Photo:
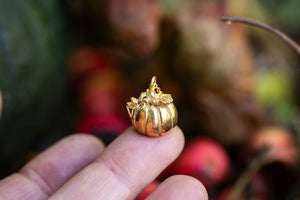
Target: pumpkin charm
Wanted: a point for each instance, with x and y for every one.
(153, 113)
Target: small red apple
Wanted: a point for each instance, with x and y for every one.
(204, 159)
(147, 190)
(279, 143)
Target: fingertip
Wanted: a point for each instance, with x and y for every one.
(176, 139)
(139, 155)
(167, 147)
(177, 130)
(179, 187)
(173, 136)
(193, 186)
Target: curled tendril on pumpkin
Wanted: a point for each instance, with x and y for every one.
(153, 96)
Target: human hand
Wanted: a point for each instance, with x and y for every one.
(79, 167)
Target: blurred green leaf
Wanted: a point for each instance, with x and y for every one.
(32, 70)
(273, 88)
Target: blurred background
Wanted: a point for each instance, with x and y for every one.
(70, 66)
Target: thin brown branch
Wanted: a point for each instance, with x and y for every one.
(254, 166)
(262, 25)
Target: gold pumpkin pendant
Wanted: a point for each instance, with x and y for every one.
(154, 113)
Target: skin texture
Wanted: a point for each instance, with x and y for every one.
(79, 167)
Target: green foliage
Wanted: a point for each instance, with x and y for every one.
(274, 91)
(285, 13)
(32, 52)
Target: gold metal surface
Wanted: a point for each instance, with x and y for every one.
(153, 113)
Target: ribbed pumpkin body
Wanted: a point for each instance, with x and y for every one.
(154, 120)
(153, 113)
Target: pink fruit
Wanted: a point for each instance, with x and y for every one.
(279, 144)
(147, 190)
(204, 159)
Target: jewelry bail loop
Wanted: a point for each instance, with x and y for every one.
(153, 84)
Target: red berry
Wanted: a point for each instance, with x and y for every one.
(279, 144)
(204, 159)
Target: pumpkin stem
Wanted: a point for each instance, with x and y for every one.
(153, 85)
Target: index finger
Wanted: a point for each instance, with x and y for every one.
(127, 165)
